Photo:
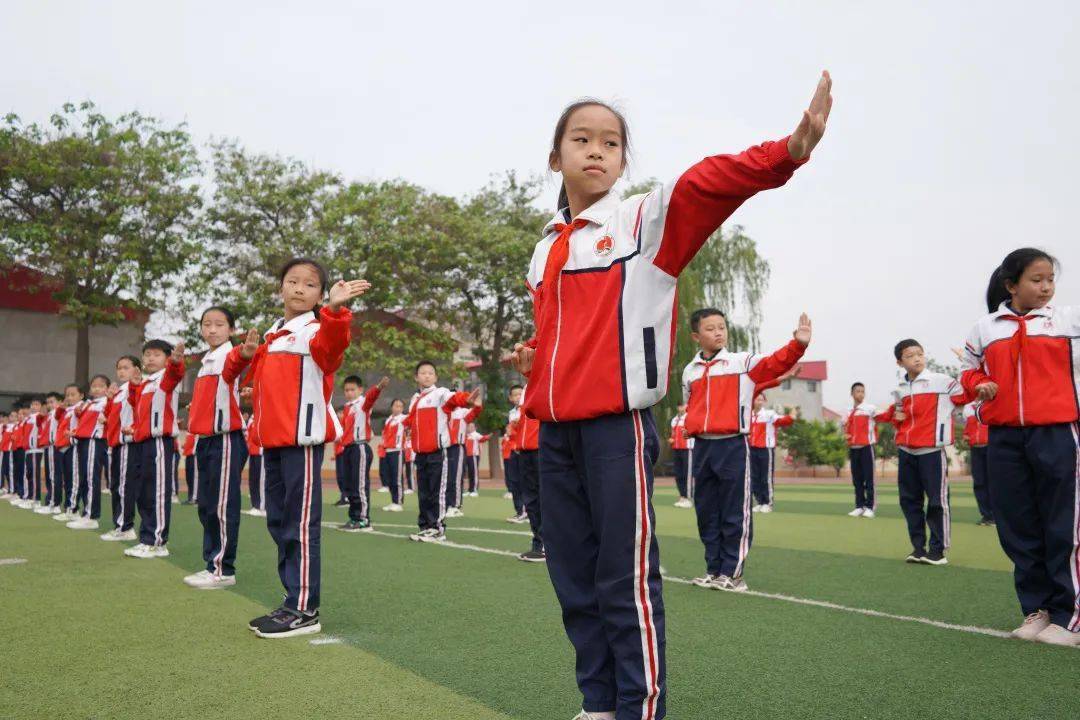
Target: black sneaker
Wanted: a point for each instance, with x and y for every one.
(536, 556)
(985, 522)
(288, 623)
(259, 621)
(934, 558)
(342, 502)
(356, 526)
(915, 556)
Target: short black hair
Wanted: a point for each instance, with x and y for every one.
(163, 345)
(855, 385)
(700, 314)
(422, 363)
(77, 386)
(354, 379)
(99, 376)
(131, 359)
(36, 398)
(17, 406)
(324, 278)
(53, 394)
(513, 388)
(229, 317)
(903, 345)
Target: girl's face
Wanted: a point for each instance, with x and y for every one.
(51, 404)
(123, 370)
(1035, 288)
(590, 153)
(215, 328)
(397, 407)
(301, 290)
(98, 386)
(72, 395)
(153, 360)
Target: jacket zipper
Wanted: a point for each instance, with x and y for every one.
(555, 349)
(1020, 387)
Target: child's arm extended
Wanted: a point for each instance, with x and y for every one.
(174, 369)
(774, 366)
(373, 393)
(677, 219)
(335, 323)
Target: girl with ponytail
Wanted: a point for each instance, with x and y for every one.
(1022, 362)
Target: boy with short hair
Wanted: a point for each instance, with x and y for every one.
(922, 411)
(681, 449)
(513, 469)
(474, 443)
(860, 431)
(51, 503)
(156, 406)
(457, 456)
(428, 424)
(356, 454)
(718, 387)
(526, 432)
(977, 434)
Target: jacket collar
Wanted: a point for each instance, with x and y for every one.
(1004, 309)
(293, 325)
(598, 213)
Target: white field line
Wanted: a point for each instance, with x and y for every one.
(12, 561)
(971, 629)
(444, 543)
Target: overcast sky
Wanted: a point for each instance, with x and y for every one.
(953, 138)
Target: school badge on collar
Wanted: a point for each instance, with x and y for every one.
(604, 246)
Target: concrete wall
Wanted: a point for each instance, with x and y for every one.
(37, 351)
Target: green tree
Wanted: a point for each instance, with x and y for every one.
(104, 206)
(885, 448)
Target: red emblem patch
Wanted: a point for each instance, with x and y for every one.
(604, 246)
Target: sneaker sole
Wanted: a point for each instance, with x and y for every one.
(532, 560)
(308, 630)
(928, 561)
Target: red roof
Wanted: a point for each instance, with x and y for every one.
(814, 370)
(831, 414)
(24, 288)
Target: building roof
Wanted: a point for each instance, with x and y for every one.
(24, 288)
(813, 370)
(828, 414)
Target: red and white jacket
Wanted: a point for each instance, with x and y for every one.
(1035, 361)
(473, 441)
(7, 437)
(90, 424)
(393, 433)
(157, 402)
(678, 439)
(428, 420)
(191, 441)
(119, 414)
(928, 401)
(65, 420)
(253, 447)
(719, 391)
(293, 379)
(359, 421)
(976, 433)
(215, 399)
(37, 432)
(19, 435)
(524, 430)
(410, 454)
(860, 424)
(763, 426)
(605, 340)
(506, 444)
(459, 423)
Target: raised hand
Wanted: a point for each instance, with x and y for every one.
(345, 290)
(812, 126)
(129, 430)
(250, 344)
(522, 359)
(178, 352)
(987, 391)
(803, 331)
(474, 398)
(112, 390)
(383, 383)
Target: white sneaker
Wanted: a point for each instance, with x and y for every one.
(106, 491)
(583, 715)
(857, 512)
(206, 580)
(83, 524)
(256, 512)
(147, 551)
(409, 491)
(433, 536)
(175, 499)
(118, 535)
(55, 510)
(1054, 634)
(64, 516)
(508, 495)
(684, 503)
(1032, 626)
(765, 509)
(737, 585)
(25, 504)
(393, 507)
(472, 493)
(705, 581)
(868, 513)
(43, 510)
(384, 489)
(756, 508)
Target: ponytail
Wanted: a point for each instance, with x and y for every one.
(1010, 271)
(564, 200)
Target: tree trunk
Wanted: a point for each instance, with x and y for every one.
(82, 353)
(495, 456)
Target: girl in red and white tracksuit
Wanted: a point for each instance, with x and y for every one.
(214, 418)
(603, 280)
(89, 434)
(474, 442)
(1022, 360)
(292, 375)
(391, 467)
(67, 456)
(256, 475)
(122, 467)
(681, 449)
(763, 424)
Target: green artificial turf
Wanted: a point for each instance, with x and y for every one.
(418, 631)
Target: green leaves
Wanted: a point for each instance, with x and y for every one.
(815, 442)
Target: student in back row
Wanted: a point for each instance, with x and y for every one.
(356, 454)
(860, 431)
(681, 454)
(763, 424)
